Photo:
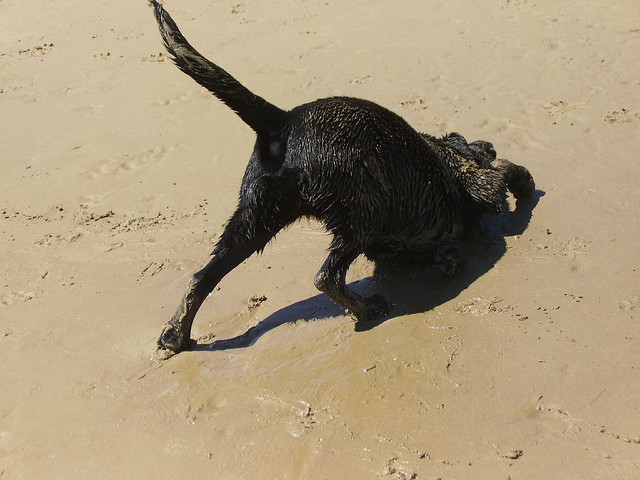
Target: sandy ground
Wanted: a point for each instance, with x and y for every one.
(118, 173)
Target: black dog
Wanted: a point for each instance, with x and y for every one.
(381, 188)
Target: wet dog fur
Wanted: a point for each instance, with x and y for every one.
(381, 188)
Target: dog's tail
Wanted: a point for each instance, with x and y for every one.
(260, 115)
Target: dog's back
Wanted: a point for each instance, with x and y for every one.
(364, 167)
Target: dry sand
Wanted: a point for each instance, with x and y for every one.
(118, 173)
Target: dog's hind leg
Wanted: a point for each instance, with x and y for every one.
(248, 231)
(518, 179)
(331, 279)
(177, 333)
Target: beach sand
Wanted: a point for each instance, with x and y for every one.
(119, 172)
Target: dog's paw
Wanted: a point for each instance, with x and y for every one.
(449, 259)
(376, 308)
(172, 339)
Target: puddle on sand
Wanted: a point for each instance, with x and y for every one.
(317, 388)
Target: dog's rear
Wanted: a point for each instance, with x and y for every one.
(380, 187)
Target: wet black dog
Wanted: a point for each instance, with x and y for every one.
(381, 188)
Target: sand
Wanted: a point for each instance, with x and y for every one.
(118, 173)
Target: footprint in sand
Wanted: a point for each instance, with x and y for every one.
(129, 35)
(559, 108)
(37, 51)
(10, 89)
(152, 269)
(629, 304)
(478, 306)
(521, 134)
(573, 246)
(51, 239)
(183, 98)
(621, 116)
(103, 55)
(154, 58)
(238, 8)
(414, 104)
(16, 297)
(362, 80)
(567, 248)
(89, 200)
(128, 162)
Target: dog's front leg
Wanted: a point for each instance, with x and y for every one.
(518, 179)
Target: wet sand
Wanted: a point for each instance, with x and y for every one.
(118, 173)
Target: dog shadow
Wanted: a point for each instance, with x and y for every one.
(409, 288)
